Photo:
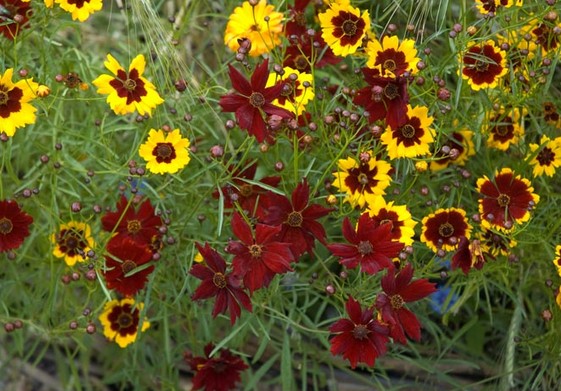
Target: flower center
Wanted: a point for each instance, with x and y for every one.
(360, 331)
(503, 200)
(446, 230)
(481, 66)
(6, 226)
(545, 157)
(130, 85)
(255, 250)
(256, 99)
(349, 27)
(246, 190)
(365, 247)
(407, 131)
(362, 179)
(128, 266)
(396, 301)
(294, 219)
(164, 150)
(502, 130)
(389, 64)
(3, 97)
(301, 62)
(124, 320)
(390, 91)
(133, 226)
(386, 221)
(219, 280)
(71, 242)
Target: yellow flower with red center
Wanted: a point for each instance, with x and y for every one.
(260, 24)
(128, 91)
(492, 6)
(456, 150)
(545, 157)
(165, 153)
(403, 225)
(496, 243)
(79, 9)
(504, 128)
(15, 109)
(343, 27)
(444, 228)
(392, 57)
(298, 89)
(121, 321)
(72, 242)
(483, 65)
(557, 259)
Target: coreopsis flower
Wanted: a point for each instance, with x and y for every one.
(15, 109)
(252, 100)
(385, 98)
(505, 201)
(80, 9)
(551, 115)
(165, 153)
(128, 91)
(359, 338)
(492, 6)
(369, 175)
(484, 64)
(343, 27)
(391, 57)
(371, 246)
(413, 138)
(400, 219)
(120, 320)
(545, 157)
(444, 228)
(14, 225)
(72, 241)
(260, 24)
(468, 255)
(258, 256)
(558, 297)
(126, 265)
(140, 224)
(397, 291)
(219, 373)
(456, 150)
(14, 16)
(216, 282)
(307, 52)
(546, 37)
(557, 259)
(495, 243)
(504, 128)
(297, 218)
(298, 89)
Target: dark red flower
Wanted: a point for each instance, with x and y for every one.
(468, 255)
(219, 373)
(14, 15)
(361, 338)
(252, 100)
(126, 268)
(307, 52)
(371, 245)
(14, 225)
(140, 224)
(297, 219)
(547, 37)
(216, 282)
(258, 258)
(296, 23)
(399, 290)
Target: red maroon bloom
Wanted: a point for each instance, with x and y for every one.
(140, 224)
(297, 219)
(126, 265)
(14, 15)
(252, 100)
(307, 52)
(399, 290)
(216, 282)
(371, 245)
(219, 373)
(296, 23)
(14, 225)
(361, 338)
(468, 255)
(258, 259)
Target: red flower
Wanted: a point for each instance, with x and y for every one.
(252, 100)
(360, 338)
(217, 283)
(140, 225)
(391, 303)
(219, 373)
(14, 15)
(14, 225)
(258, 259)
(126, 269)
(297, 219)
(371, 245)
(296, 23)
(468, 255)
(307, 51)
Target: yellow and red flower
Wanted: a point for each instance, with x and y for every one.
(72, 241)
(557, 259)
(80, 9)
(165, 153)
(545, 157)
(343, 27)
(483, 65)
(14, 16)
(398, 216)
(14, 225)
(391, 57)
(492, 6)
(15, 109)
(504, 128)
(120, 320)
(456, 150)
(297, 91)
(444, 228)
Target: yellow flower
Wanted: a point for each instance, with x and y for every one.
(80, 10)
(545, 157)
(413, 138)
(504, 128)
(557, 259)
(495, 243)
(397, 215)
(456, 150)
(15, 109)
(120, 320)
(492, 6)
(165, 153)
(343, 28)
(558, 298)
(260, 24)
(391, 57)
(297, 92)
(130, 91)
(72, 242)
(483, 65)
(444, 228)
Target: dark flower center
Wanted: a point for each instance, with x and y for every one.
(219, 280)
(360, 331)
(301, 62)
(446, 230)
(397, 302)
(503, 200)
(246, 190)
(481, 66)
(71, 242)
(256, 99)
(365, 247)
(502, 130)
(349, 27)
(386, 221)
(407, 131)
(390, 65)
(545, 157)
(133, 226)
(124, 320)
(130, 85)
(128, 266)
(164, 152)
(3, 97)
(391, 91)
(362, 179)
(6, 226)
(255, 250)
(294, 219)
